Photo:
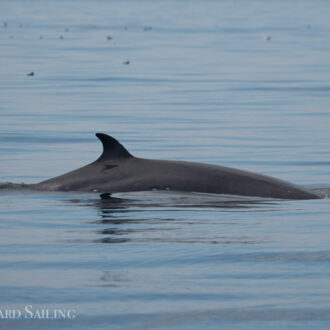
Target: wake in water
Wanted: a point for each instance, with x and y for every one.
(13, 186)
(323, 190)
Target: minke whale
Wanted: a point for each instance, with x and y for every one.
(117, 170)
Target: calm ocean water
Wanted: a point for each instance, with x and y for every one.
(237, 83)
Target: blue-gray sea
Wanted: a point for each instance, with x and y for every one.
(244, 84)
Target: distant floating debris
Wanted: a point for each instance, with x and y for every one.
(20, 26)
(268, 37)
(147, 28)
(66, 30)
(41, 37)
(5, 24)
(109, 38)
(308, 26)
(127, 62)
(11, 37)
(61, 37)
(30, 74)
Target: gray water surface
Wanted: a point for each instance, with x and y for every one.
(243, 84)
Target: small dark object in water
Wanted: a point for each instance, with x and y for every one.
(41, 37)
(147, 28)
(61, 37)
(109, 38)
(66, 30)
(30, 74)
(5, 24)
(105, 196)
(126, 62)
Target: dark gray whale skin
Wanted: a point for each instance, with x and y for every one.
(116, 170)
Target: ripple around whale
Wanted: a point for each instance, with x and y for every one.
(13, 186)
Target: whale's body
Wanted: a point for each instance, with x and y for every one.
(118, 171)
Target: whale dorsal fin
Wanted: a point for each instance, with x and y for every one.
(112, 149)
